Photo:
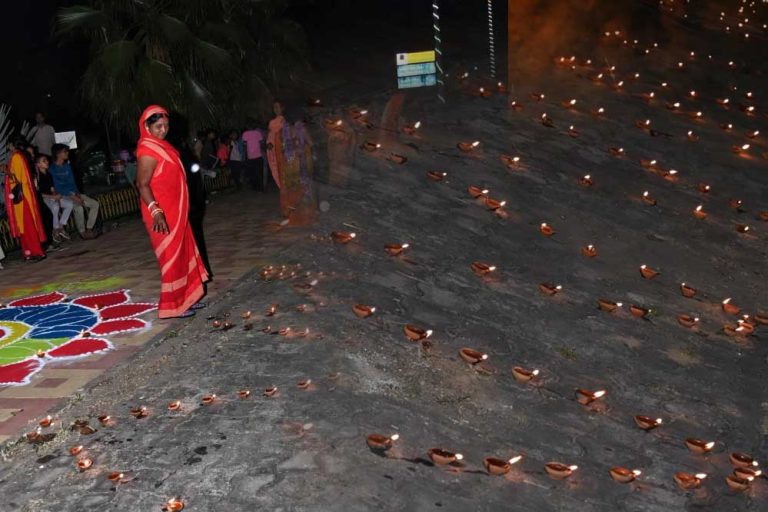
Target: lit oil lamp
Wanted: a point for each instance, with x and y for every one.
(643, 125)
(546, 229)
(648, 96)
(314, 102)
(501, 88)
(559, 471)
(380, 442)
(115, 477)
(363, 311)
(688, 481)
(46, 422)
(357, 114)
(742, 460)
(742, 149)
(608, 305)
(698, 115)
(699, 446)
(208, 399)
(747, 472)
(482, 269)
(586, 181)
(598, 112)
(648, 164)
(510, 161)
(550, 288)
(739, 329)
(647, 199)
(699, 212)
(270, 391)
(624, 475)
(568, 104)
(692, 136)
(737, 483)
(547, 121)
(638, 311)
(173, 505)
(371, 146)
(523, 374)
(585, 397)
(590, 251)
(671, 176)
(472, 356)
(496, 466)
(753, 134)
(468, 147)
(34, 436)
(140, 412)
(411, 128)
(175, 405)
(76, 450)
(647, 272)
(436, 175)
(272, 310)
(515, 105)
(398, 159)
(415, 333)
(333, 123)
(395, 249)
(342, 237)
(729, 308)
(243, 394)
(246, 315)
(616, 151)
(673, 105)
(749, 110)
(647, 423)
(742, 228)
(443, 457)
(494, 204)
(84, 463)
(736, 204)
(572, 131)
(106, 420)
(304, 384)
(723, 102)
(726, 126)
(688, 320)
(537, 96)
(477, 192)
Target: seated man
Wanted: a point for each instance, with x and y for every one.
(64, 183)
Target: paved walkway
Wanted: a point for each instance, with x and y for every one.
(122, 258)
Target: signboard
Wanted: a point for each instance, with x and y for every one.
(67, 138)
(416, 69)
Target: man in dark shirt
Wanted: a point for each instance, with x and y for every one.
(60, 206)
(64, 183)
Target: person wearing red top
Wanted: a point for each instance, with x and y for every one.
(164, 202)
(21, 204)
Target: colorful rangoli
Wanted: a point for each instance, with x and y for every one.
(36, 330)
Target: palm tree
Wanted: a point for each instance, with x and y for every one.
(197, 57)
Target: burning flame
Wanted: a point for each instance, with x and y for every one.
(476, 143)
(459, 456)
(573, 468)
(417, 124)
(515, 459)
(598, 394)
(637, 472)
(535, 372)
(701, 476)
(394, 437)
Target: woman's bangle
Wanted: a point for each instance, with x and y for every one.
(151, 204)
(156, 211)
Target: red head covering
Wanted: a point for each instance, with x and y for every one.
(148, 143)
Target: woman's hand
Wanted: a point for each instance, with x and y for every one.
(159, 224)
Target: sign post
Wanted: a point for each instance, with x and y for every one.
(416, 69)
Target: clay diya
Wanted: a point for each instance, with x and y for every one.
(648, 164)
(638, 311)
(398, 159)
(547, 121)
(742, 460)
(742, 149)
(46, 422)
(764, 215)
(482, 269)
(496, 466)
(624, 475)
(370, 146)
(687, 320)
(115, 477)
(304, 383)
(33, 436)
(747, 472)
(472, 356)
(687, 291)
(585, 397)
(411, 128)
(363, 311)
(699, 446)
(415, 333)
(243, 394)
(494, 204)
(343, 237)
(647, 272)
(643, 125)
(40, 353)
(671, 176)
(84, 463)
(616, 151)
(590, 251)
(549, 288)
(699, 212)
(380, 442)
(736, 204)
(546, 229)
(692, 136)
(572, 131)
(688, 481)
(483, 92)
(436, 175)
(586, 181)
(396, 249)
(523, 374)
(443, 457)
(736, 330)
(737, 483)
(208, 399)
(468, 147)
(559, 471)
(704, 188)
(175, 405)
(647, 199)
(106, 420)
(272, 310)
(333, 123)
(514, 105)
(216, 323)
(173, 505)
(598, 112)
(314, 102)
(477, 192)
(140, 412)
(270, 391)
(729, 308)
(742, 228)
(510, 161)
(501, 88)
(647, 423)
(537, 96)
(608, 305)
(568, 104)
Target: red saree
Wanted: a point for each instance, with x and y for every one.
(182, 272)
(24, 216)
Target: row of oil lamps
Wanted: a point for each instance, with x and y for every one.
(745, 468)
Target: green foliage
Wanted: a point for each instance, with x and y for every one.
(216, 62)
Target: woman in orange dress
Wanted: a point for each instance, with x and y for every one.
(21, 204)
(164, 202)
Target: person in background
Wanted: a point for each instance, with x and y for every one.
(273, 140)
(254, 158)
(61, 207)
(295, 166)
(197, 203)
(64, 183)
(222, 151)
(42, 135)
(208, 157)
(236, 158)
(23, 211)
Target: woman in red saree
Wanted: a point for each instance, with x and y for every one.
(21, 204)
(164, 202)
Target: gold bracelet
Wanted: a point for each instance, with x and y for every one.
(156, 211)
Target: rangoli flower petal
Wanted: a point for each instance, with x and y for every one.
(125, 310)
(117, 326)
(103, 300)
(19, 373)
(80, 347)
(39, 300)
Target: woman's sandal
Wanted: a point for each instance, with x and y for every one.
(188, 313)
(199, 305)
